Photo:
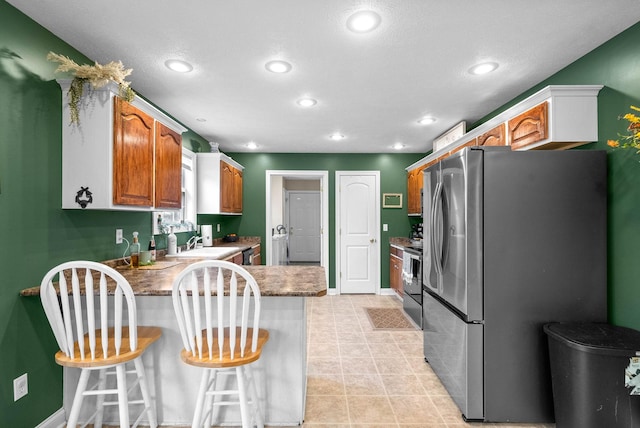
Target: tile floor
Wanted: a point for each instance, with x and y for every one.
(358, 377)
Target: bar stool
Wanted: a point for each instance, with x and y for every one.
(93, 335)
(217, 335)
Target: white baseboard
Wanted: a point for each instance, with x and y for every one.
(56, 420)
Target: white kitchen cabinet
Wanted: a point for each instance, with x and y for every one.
(118, 157)
(219, 184)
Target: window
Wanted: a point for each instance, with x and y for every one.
(184, 219)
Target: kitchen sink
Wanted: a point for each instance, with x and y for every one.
(207, 252)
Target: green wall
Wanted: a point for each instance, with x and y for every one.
(36, 234)
(616, 65)
(393, 179)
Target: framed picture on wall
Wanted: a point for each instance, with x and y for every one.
(392, 200)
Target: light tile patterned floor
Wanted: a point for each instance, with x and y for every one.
(358, 377)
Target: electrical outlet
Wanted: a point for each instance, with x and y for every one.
(118, 236)
(217, 227)
(20, 387)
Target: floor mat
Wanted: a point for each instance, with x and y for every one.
(389, 319)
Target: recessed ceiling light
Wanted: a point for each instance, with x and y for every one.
(427, 120)
(484, 68)
(363, 21)
(252, 145)
(178, 65)
(306, 102)
(278, 66)
(336, 136)
(397, 146)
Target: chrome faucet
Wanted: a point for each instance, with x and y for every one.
(193, 242)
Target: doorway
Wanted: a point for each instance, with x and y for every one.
(278, 184)
(302, 215)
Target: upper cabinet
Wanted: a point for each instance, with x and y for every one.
(168, 167)
(557, 117)
(219, 184)
(493, 137)
(528, 128)
(121, 156)
(414, 191)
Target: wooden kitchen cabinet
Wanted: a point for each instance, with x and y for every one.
(257, 258)
(230, 188)
(118, 156)
(493, 137)
(395, 269)
(219, 184)
(529, 127)
(168, 169)
(133, 145)
(414, 191)
(558, 117)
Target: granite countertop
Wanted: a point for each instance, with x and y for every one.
(401, 242)
(157, 280)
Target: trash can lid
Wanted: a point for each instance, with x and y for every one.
(598, 338)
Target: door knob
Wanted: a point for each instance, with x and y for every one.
(372, 240)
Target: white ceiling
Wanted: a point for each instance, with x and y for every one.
(371, 87)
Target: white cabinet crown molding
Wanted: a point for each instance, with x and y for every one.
(573, 118)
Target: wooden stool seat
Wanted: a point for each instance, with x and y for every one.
(146, 336)
(226, 361)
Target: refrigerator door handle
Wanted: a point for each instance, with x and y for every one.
(436, 240)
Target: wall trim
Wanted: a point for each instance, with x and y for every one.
(56, 420)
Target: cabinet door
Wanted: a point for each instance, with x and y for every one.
(395, 273)
(168, 192)
(238, 259)
(237, 190)
(493, 137)
(227, 173)
(414, 188)
(257, 259)
(132, 155)
(528, 127)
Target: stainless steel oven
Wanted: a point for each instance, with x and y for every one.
(412, 283)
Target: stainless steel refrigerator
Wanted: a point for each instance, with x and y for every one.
(513, 240)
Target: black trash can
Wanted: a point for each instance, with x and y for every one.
(588, 362)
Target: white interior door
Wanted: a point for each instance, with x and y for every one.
(358, 232)
(303, 209)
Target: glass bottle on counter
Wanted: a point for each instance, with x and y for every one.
(152, 248)
(135, 251)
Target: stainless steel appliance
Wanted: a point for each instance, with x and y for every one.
(412, 283)
(512, 240)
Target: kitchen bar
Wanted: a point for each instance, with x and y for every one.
(280, 373)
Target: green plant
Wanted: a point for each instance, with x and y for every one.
(97, 75)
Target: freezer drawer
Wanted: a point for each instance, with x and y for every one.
(453, 348)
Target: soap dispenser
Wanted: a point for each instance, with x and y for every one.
(172, 243)
(135, 251)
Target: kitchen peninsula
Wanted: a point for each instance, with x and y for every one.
(281, 371)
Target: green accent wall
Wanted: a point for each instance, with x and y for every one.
(36, 234)
(393, 179)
